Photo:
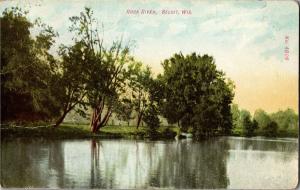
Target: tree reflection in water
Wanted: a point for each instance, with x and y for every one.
(95, 170)
(192, 165)
(140, 164)
(181, 164)
(32, 163)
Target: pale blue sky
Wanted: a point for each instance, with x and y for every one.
(247, 39)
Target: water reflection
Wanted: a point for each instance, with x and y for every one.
(191, 165)
(216, 163)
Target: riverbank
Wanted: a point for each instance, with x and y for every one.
(77, 131)
(80, 131)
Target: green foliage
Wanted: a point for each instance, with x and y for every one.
(138, 91)
(124, 110)
(271, 129)
(286, 120)
(191, 92)
(196, 94)
(270, 125)
(106, 68)
(26, 68)
(71, 80)
(254, 127)
(151, 119)
(246, 122)
(279, 123)
(235, 112)
(248, 125)
(262, 118)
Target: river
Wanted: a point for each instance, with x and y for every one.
(225, 162)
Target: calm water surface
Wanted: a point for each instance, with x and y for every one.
(227, 162)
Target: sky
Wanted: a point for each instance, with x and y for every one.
(248, 38)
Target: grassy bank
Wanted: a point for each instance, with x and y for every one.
(77, 131)
(70, 131)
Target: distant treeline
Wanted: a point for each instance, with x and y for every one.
(281, 123)
(96, 80)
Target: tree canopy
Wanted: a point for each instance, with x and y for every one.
(196, 95)
(26, 68)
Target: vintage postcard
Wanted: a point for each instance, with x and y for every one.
(149, 94)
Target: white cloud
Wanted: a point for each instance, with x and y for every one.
(175, 28)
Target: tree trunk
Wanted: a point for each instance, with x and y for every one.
(94, 120)
(60, 120)
(140, 115)
(97, 122)
(105, 120)
(94, 126)
(67, 109)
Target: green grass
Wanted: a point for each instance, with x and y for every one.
(68, 130)
(123, 129)
(50, 132)
(133, 130)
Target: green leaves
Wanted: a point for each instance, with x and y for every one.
(151, 118)
(196, 94)
(26, 73)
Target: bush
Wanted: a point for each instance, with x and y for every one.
(271, 130)
(151, 119)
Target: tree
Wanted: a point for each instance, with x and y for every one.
(262, 118)
(26, 68)
(245, 120)
(196, 94)
(248, 126)
(106, 89)
(271, 129)
(106, 68)
(124, 111)
(71, 80)
(286, 119)
(139, 85)
(254, 127)
(237, 125)
(151, 118)
(152, 112)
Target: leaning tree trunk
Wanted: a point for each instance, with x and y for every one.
(67, 108)
(140, 115)
(60, 119)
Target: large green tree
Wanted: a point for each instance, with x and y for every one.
(26, 68)
(106, 68)
(196, 95)
(139, 82)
